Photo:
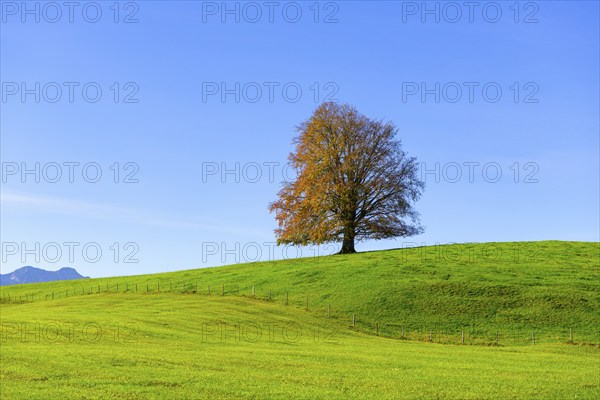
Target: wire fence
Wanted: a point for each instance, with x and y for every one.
(459, 333)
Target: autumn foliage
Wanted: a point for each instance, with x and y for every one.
(353, 182)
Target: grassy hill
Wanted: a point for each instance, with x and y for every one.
(492, 292)
(181, 342)
(174, 346)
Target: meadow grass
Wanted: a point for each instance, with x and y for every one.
(181, 342)
(486, 291)
(174, 346)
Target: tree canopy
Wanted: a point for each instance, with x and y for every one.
(353, 182)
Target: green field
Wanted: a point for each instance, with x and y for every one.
(171, 339)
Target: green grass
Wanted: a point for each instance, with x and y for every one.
(139, 345)
(487, 289)
(171, 346)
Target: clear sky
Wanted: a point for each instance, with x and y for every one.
(187, 109)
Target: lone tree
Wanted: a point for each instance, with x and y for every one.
(353, 182)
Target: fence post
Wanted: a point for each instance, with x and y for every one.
(353, 320)
(377, 328)
(571, 334)
(462, 336)
(136, 287)
(127, 287)
(252, 290)
(52, 295)
(402, 331)
(146, 288)
(328, 310)
(117, 287)
(431, 336)
(223, 291)
(533, 337)
(497, 335)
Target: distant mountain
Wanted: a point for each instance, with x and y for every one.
(31, 274)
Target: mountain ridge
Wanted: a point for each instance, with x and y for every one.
(29, 274)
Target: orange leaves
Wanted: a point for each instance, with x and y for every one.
(353, 181)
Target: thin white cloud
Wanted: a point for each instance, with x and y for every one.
(99, 211)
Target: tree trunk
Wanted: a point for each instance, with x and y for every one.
(347, 245)
(349, 232)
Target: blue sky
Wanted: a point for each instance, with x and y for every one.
(188, 93)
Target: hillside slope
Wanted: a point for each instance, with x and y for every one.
(487, 292)
(186, 346)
